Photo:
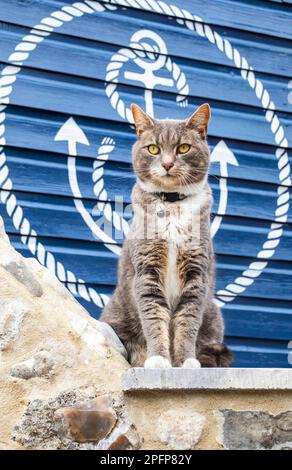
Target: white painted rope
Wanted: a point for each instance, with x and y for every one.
(192, 22)
(103, 204)
(139, 50)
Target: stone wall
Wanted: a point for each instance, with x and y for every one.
(211, 408)
(65, 382)
(212, 419)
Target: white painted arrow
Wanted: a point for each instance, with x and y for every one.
(224, 156)
(73, 134)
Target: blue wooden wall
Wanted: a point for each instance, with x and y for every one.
(63, 72)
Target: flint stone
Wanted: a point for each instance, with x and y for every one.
(180, 429)
(11, 316)
(120, 443)
(18, 269)
(39, 365)
(123, 437)
(255, 430)
(91, 421)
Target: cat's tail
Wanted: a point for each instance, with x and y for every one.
(215, 355)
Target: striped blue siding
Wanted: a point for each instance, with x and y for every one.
(65, 76)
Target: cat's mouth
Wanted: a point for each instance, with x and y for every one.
(169, 174)
(169, 182)
(173, 181)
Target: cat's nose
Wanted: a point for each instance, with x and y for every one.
(167, 166)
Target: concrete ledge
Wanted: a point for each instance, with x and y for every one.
(207, 379)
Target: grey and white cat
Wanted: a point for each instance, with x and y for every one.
(163, 308)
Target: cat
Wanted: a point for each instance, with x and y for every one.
(163, 308)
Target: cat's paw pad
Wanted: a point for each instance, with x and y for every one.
(191, 363)
(157, 362)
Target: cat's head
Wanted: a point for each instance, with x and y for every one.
(171, 155)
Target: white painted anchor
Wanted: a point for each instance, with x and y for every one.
(147, 77)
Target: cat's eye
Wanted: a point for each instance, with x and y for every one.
(183, 148)
(153, 149)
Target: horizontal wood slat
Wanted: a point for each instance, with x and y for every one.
(244, 15)
(57, 217)
(38, 171)
(91, 260)
(116, 27)
(89, 60)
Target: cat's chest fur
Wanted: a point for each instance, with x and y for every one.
(179, 225)
(175, 222)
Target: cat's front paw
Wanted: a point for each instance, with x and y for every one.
(191, 363)
(157, 362)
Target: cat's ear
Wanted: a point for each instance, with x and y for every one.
(199, 120)
(141, 119)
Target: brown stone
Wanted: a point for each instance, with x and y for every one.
(90, 421)
(123, 437)
(121, 443)
(88, 425)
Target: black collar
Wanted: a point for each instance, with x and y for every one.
(171, 197)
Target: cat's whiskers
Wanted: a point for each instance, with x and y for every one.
(186, 179)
